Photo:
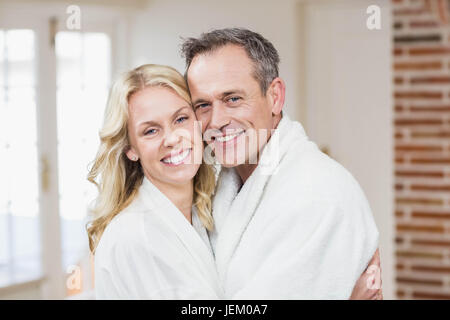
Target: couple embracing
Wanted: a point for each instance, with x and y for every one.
(208, 190)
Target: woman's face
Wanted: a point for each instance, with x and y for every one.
(164, 136)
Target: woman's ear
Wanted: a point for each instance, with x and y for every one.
(276, 94)
(131, 154)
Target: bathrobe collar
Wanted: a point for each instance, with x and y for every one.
(233, 208)
(155, 200)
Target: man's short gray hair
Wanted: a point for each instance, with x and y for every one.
(259, 50)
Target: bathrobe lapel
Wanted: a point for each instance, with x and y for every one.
(233, 209)
(186, 233)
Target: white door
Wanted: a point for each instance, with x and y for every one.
(20, 248)
(54, 84)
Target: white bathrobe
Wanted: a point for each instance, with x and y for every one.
(151, 251)
(299, 228)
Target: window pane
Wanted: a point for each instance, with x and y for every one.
(96, 60)
(22, 151)
(19, 45)
(68, 52)
(2, 58)
(4, 183)
(4, 249)
(19, 49)
(83, 73)
(19, 207)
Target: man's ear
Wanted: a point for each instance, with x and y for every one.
(131, 154)
(276, 94)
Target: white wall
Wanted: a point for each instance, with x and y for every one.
(156, 32)
(348, 97)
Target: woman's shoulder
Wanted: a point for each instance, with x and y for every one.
(124, 231)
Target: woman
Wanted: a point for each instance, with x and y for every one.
(153, 208)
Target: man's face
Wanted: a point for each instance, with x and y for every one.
(227, 99)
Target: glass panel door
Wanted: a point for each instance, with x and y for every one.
(20, 247)
(83, 79)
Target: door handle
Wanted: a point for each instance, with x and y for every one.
(45, 174)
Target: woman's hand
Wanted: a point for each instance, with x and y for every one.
(368, 286)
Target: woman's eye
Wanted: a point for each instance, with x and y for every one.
(181, 119)
(150, 132)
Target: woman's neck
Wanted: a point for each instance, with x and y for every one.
(180, 195)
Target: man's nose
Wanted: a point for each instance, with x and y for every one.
(219, 116)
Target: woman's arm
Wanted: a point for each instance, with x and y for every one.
(368, 286)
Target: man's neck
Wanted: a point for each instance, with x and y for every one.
(245, 170)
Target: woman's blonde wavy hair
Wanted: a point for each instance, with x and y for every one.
(117, 178)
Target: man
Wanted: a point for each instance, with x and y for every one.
(290, 223)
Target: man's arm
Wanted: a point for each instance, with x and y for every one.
(368, 286)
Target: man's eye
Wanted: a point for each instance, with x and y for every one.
(234, 99)
(202, 106)
(181, 119)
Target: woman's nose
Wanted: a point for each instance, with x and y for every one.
(172, 139)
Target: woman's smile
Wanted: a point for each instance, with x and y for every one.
(177, 158)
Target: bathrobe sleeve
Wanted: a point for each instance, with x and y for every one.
(336, 252)
(319, 255)
(316, 249)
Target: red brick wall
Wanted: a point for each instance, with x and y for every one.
(421, 64)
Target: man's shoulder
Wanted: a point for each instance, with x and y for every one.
(306, 170)
(303, 157)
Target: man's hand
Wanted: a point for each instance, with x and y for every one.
(368, 286)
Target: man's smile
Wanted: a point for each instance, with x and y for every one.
(228, 137)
